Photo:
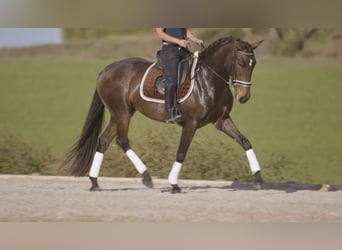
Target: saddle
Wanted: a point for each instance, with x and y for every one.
(152, 85)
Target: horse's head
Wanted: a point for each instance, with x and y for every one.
(242, 65)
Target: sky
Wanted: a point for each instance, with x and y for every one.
(23, 37)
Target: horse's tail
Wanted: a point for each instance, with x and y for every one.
(83, 150)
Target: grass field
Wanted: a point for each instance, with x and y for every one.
(293, 121)
(296, 113)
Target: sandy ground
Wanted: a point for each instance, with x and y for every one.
(52, 198)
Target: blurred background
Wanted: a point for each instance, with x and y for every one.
(48, 76)
(289, 42)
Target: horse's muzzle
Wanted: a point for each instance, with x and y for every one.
(242, 93)
(243, 99)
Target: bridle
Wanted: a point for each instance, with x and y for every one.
(232, 69)
(234, 81)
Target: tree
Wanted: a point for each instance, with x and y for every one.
(290, 41)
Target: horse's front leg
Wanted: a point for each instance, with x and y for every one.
(185, 141)
(227, 126)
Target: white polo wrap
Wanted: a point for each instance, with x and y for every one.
(253, 161)
(96, 165)
(139, 165)
(173, 176)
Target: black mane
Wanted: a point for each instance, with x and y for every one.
(244, 46)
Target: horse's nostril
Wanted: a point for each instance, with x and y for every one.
(243, 99)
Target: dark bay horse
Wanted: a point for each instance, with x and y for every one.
(210, 101)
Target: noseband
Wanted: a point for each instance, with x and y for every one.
(233, 65)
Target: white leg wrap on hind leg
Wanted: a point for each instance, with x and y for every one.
(253, 161)
(96, 165)
(139, 165)
(174, 173)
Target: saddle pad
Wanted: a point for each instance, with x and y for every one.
(152, 77)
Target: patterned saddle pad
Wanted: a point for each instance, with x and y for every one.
(152, 78)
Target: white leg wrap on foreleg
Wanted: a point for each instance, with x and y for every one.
(139, 165)
(173, 176)
(253, 161)
(96, 165)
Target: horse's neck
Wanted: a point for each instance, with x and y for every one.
(220, 62)
(216, 73)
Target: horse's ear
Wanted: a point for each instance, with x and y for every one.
(256, 44)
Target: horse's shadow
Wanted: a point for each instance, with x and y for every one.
(288, 187)
(117, 189)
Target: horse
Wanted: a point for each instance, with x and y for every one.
(210, 101)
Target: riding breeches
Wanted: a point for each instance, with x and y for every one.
(170, 56)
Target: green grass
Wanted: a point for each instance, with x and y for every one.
(293, 121)
(44, 102)
(295, 113)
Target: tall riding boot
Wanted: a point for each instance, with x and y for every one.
(170, 90)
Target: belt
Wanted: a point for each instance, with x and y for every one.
(172, 44)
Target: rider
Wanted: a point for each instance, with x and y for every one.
(174, 49)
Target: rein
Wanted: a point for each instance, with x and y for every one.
(232, 71)
(211, 69)
(217, 74)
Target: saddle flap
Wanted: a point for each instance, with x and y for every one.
(183, 69)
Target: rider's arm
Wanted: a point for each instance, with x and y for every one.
(167, 38)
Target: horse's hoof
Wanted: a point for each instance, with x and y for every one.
(147, 180)
(95, 189)
(259, 186)
(259, 180)
(175, 189)
(94, 184)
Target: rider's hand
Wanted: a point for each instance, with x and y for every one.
(183, 43)
(200, 42)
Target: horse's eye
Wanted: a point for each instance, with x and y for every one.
(241, 63)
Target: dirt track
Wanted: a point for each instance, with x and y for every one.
(50, 198)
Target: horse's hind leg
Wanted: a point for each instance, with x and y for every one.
(228, 127)
(103, 143)
(123, 142)
(120, 130)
